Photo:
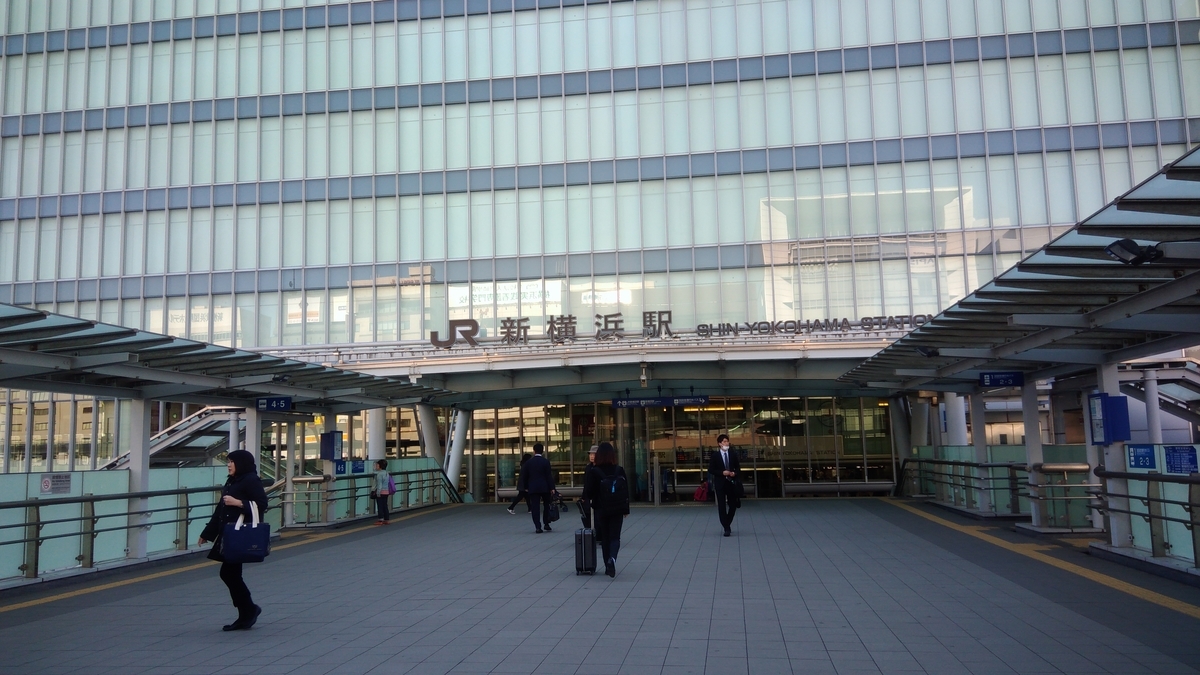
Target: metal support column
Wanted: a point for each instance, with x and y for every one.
(427, 425)
(1120, 527)
(983, 499)
(1033, 450)
(235, 436)
(956, 419)
(253, 442)
(458, 441)
(376, 440)
(139, 477)
(1153, 416)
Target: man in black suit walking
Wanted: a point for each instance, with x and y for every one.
(538, 480)
(726, 473)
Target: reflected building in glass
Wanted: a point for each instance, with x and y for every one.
(292, 176)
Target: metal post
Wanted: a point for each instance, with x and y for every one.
(235, 436)
(376, 440)
(458, 440)
(87, 536)
(1014, 494)
(33, 528)
(1119, 525)
(956, 419)
(1158, 542)
(655, 479)
(983, 494)
(289, 487)
(181, 527)
(1194, 513)
(254, 434)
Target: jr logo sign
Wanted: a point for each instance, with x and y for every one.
(466, 329)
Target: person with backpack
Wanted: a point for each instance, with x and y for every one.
(606, 488)
(384, 488)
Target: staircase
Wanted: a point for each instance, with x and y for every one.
(193, 441)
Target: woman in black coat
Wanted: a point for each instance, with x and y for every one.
(241, 488)
(608, 513)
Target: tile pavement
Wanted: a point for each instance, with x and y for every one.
(813, 586)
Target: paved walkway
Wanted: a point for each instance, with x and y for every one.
(812, 586)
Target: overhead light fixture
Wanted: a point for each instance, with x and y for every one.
(1130, 252)
(928, 352)
(281, 378)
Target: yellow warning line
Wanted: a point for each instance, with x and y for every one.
(1034, 551)
(304, 540)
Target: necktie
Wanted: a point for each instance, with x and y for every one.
(725, 458)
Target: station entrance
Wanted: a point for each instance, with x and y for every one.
(788, 445)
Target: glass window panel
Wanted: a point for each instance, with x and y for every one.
(704, 208)
(387, 141)
(272, 63)
(629, 218)
(800, 25)
(907, 13)
(1061, 188)
(457, 232)
(293, 61)
(1116, 173)
(507, 226)
(364, 305)
(1130, 11)
(654, 223)
(599, 42)
(604, 216)
(700, 116)
(529, 213)
(808, 204)
(1102, 12)
(387, 231)
(600, 126)
(1003, 191)
(267, 320)
(579, 216)
(339, 58)
(77, 83)
(1053, 89)
(47, 246)
(67, 251)
(136, 169)
(833, 111)
(317, 156)
(941, 99)
(777, 109)
(339, 139)
(339, 230)
(1024, 90)
(675, 108)
(502, 45)
(293, 147)
(679, 216)
(934, 19)
(34, 83)
(912, 101)
(410, 228)
(409, 52)
(804, 110)
(525, 33)
(1079, 87)
(8, 251)
(555, 211)
(1017, 17)
(1139, 98)
(858, 106)
(504, 138)
(1166, 83)
(1031, 184)
(482, 227)
(648, 32)
(862, 201)
(1088, 181)
(836, 202)
(1108, 86)
(946, 203)
(625, 118)
(433, 225)
(97, 78)
(827, 25)
(247, 151)
(201, 246)
(30, 170)
(315, 60)
(90, 248)
(553, 147)
(726, 115)
(293, 316)
(26, 250)
(923, 280)
(812, 292)
(1144, 160)
(93, 165)
(918, 207)
(995, 88)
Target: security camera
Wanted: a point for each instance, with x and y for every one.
(643, 379)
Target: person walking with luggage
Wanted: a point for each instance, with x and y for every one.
(726, 473)
(242, 488)
(606, 488)
(521, 492)
(537, 479)
(585, 508)
(385, 487)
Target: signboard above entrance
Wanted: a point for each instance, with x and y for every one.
(1002, 379)
(659, 402)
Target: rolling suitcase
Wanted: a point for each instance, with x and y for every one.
(585, 551)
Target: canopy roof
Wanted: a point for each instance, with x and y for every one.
(57, 353)
(1071, 305)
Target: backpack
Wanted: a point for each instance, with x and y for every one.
(391, 485)
(614, 495)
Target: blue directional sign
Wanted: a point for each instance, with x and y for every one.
(1142, 457)
(1002, 379)
(274, 403)
(1180, 458)
(358, 466)
(659, 401)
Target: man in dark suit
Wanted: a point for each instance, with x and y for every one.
(538, 481)
(726, 473)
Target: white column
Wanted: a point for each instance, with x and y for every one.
(292, 468)
(139, 476)
(1153, 418)
(235, 436)
(254, 433)
(430, 442)
(1033, 448)
(462, 421)
(1119, 526)
(956, 419)
(979, 440)
(920, 422)
(376, 437)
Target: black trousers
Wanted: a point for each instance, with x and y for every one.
(541, 499)
(381, 505)
(231, 574)
(726, 501)
(608, 531)
(517, 500)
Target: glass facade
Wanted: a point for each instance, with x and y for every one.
(287, 173)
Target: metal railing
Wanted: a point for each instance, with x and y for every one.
(1002, 488)
(1162, 515)
(29, 526)
(326, 499)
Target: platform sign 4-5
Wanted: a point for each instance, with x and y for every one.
(275, 403)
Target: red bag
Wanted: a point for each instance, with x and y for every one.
(701, 493)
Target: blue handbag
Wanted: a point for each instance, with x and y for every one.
(242, 543)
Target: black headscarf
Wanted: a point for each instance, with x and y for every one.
(243, 462)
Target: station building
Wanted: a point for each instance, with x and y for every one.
(645, 222)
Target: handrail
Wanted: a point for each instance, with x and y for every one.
(1193, 479)
(1155, 504)
(82, 499)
